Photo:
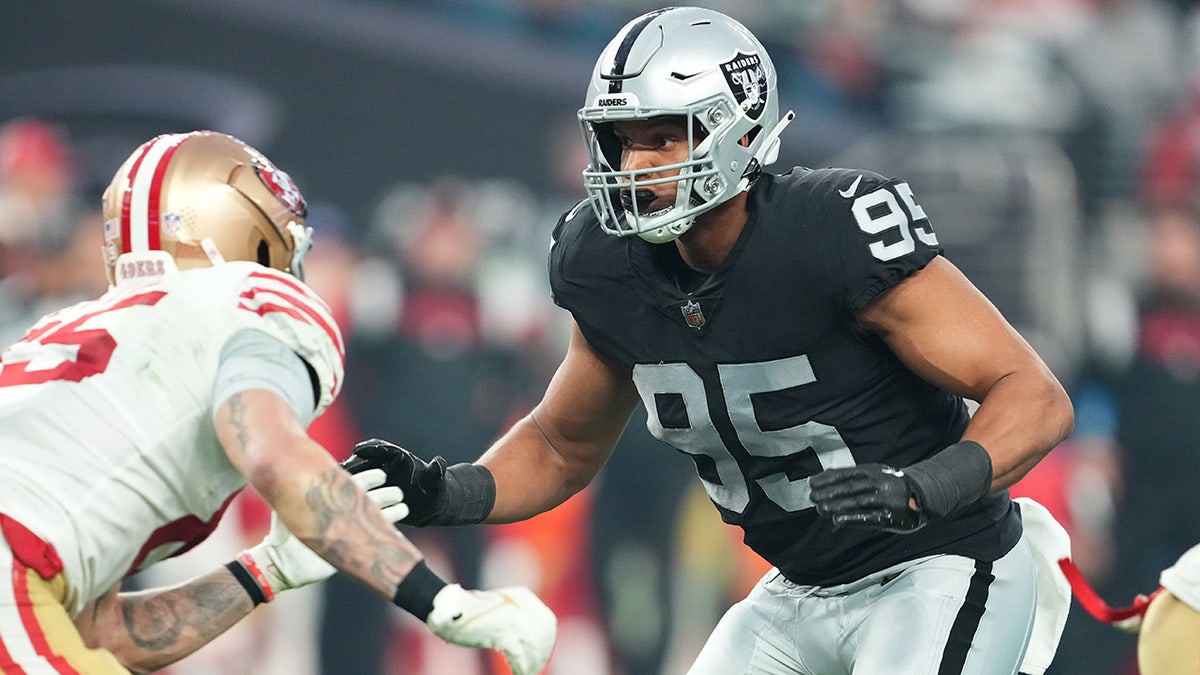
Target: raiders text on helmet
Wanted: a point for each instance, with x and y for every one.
(202, 198)
(693, 63)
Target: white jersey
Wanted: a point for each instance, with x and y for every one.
(1183, 578)
(108, 450)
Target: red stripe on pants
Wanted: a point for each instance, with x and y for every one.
(41, 646)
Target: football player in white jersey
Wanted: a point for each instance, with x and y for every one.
(1167, 621)
(1167, 644)
(128, 424)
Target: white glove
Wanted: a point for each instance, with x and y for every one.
(282, 561)
(510, 619)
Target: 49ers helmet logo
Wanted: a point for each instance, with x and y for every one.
(748, 81)
(282, 186)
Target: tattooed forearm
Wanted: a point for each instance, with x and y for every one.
(314, 498)
(353, 534)
(173, 623)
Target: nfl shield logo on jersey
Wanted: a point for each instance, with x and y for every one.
(692, 314)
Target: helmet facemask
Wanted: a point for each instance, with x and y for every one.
(614, 191)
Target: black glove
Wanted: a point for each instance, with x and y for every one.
(872, 496)
(436, 494)
(421, 481)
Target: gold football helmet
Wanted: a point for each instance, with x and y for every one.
(203, 198)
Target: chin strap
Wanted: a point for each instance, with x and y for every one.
(767, 153)
(211, 251)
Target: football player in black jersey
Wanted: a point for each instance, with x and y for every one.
(803, 339)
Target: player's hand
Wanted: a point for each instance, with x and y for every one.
(423, 483)
(284, 560)
(511, 619)
(871, 496)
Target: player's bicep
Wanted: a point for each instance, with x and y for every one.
(256, 427)
(947, 331)
(263, 400)
(558, 448)
(588, 402)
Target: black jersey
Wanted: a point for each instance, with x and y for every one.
(761, 374)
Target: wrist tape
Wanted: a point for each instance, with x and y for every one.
(469, 493)
(246, 572)
(959, 475)
(416, 591)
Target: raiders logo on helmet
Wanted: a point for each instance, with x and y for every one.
(748, 82)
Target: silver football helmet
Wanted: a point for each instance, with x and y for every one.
(692, 63)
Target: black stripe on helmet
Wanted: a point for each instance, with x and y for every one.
(616, 75)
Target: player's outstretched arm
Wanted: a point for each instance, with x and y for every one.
(557, 449)
(148, 630)
(314, 498)
(320, 504)
(543, 460)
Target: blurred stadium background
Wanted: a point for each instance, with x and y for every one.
(1054, 143)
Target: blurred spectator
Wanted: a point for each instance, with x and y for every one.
(423, 369)
(641, 556)
(1150, 386)
(37, 181)
(49, 239)
(973, 66)
(1124, 58)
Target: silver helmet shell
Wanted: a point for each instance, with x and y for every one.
(704, 67)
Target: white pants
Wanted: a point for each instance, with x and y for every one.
(939, 615)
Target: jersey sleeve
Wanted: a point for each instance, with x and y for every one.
(564, 240)
(884, 235)
(285, 308)
(252, 359)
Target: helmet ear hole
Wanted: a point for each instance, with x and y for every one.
(264, 253)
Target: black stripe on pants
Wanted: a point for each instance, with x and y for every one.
(967, 622)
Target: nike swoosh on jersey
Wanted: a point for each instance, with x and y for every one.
(849, 192)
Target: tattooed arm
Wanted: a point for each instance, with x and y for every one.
(148, 630)
(311, 494)
(317, 501)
